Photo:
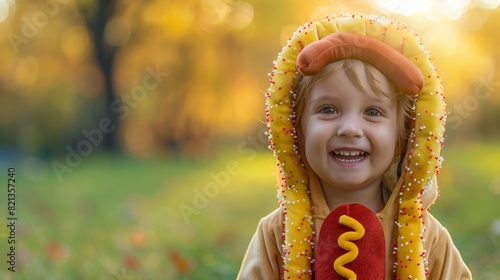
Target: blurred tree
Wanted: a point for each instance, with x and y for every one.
(97, 14)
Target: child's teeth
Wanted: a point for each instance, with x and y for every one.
(349, 153)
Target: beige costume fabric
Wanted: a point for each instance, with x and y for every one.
(263, 257)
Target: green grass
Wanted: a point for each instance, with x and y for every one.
(469, 205)
(115, 217)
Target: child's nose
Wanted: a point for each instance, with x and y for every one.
(350, 126)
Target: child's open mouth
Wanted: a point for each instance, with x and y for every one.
(348, 156)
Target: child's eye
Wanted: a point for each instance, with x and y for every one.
(374, 112)
(330, 110)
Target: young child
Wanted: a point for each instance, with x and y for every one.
(355, 112)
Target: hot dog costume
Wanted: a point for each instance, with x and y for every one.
(403, 241)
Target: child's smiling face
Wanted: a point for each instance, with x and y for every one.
(349, 134)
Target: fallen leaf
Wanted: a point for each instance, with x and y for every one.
(181, 264)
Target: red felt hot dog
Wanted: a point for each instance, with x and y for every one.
(347, 229)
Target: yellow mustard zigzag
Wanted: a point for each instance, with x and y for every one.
(345, 242)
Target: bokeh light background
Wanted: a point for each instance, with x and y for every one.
(179, 85)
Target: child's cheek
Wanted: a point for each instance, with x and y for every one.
(318, 134)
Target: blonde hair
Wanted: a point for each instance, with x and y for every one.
(374, 82)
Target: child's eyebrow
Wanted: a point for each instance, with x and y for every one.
(323, 99)
(379, 99)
